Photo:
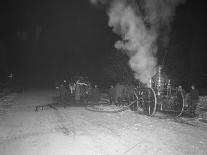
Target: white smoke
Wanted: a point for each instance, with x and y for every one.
(140, 30)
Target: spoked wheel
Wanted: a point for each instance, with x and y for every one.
(150, 101)
(133, 103)
(179, 104)
(146, 101)
(138, 100)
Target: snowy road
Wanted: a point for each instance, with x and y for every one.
(76, 131)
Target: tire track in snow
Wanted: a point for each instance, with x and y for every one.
(64, 124)
(97, 132)
(26, 130)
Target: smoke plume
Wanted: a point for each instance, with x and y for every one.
(139, 24)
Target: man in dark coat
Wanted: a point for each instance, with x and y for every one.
(77, 92)
(119, 88)
(95, 93)
(111, 93)
(194, 97)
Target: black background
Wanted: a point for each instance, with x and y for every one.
(76, 40)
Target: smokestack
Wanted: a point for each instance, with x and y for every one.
(139, 27)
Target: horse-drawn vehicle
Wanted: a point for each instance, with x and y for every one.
(159, 95)
(76, 86)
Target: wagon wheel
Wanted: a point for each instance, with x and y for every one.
(179, 103)
(133, 101)
(138, 100)
(150, 101)
(146, 100)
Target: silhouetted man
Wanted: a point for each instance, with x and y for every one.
(111, 93)
(96, 93)
(194, 97)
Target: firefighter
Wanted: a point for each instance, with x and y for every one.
(77, 92)
(194, 97)
(70, 89)
(119, 88)
(111, 93)
(180, 89)
(63, 91)
(95, 93)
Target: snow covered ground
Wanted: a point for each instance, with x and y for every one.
(76, 131)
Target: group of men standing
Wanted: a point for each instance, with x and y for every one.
(115, 92)
(191, 99)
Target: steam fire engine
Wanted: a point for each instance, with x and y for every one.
(159, 96)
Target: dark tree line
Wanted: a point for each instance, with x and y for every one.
(117, 68)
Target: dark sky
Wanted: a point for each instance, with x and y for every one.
(74, 38)
(189, 29)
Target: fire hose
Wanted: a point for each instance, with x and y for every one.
(95, 108)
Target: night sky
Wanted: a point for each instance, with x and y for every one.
(44, 41)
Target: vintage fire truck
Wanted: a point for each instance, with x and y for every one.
(160, 95)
